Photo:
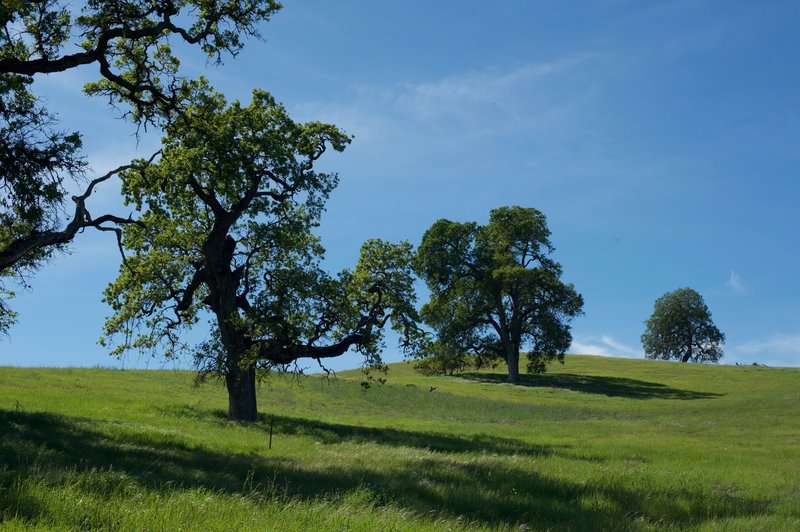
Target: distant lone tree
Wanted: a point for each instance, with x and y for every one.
(681, 329)
(495, 290)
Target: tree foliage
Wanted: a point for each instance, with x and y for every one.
(443, 359)
(226, 233)
(495, 289)
(681, 328)
(128, 41)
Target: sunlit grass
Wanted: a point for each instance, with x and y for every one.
(595, 444)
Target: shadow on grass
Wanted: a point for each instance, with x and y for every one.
(491, 491)
(334, 433)
(328, 433)
(610, 386)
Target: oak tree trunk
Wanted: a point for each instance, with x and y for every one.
(512, 360)
(241, 384)
(688, 355)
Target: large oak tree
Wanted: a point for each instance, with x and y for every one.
(226, 233)
(495, 290)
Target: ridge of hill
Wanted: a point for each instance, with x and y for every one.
(597, 443)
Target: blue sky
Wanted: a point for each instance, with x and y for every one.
(661, 139)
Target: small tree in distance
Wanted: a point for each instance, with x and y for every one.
(443, 359)
(680, 328)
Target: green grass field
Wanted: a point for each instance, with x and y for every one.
(595, 444)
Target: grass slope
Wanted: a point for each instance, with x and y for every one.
(594, 444)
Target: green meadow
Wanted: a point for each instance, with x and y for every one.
(594, 444)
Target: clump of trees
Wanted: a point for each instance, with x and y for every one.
(226, 212)
(495, 290)
(681, 328)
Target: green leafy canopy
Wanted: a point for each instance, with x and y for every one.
(495, 289)
(226, 233)
(128, 42)
(681, 328)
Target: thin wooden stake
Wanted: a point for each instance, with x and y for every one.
(270, 433)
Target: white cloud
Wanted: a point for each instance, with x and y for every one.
(468, 104)
(589, 349)
(736, 283)
(778, 350)
(606, 346)
(779, 344)
(621, 348)
(491, 97)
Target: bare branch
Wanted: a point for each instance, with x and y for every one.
(18, 248)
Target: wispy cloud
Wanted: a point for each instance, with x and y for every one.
(736, 283)
(492, 98)
(779, 344)
(473, 103)
(778, 350)
(605, 346)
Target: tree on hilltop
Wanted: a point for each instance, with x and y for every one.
(227, 215)
(495, 289)
(681, 328)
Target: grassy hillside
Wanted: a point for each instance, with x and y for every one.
(594, 444)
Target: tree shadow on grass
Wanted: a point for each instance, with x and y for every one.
(490, 491)
(610, 386)
(335, 433)
(328, 433)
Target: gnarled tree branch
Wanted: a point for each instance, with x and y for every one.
(18, 248)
